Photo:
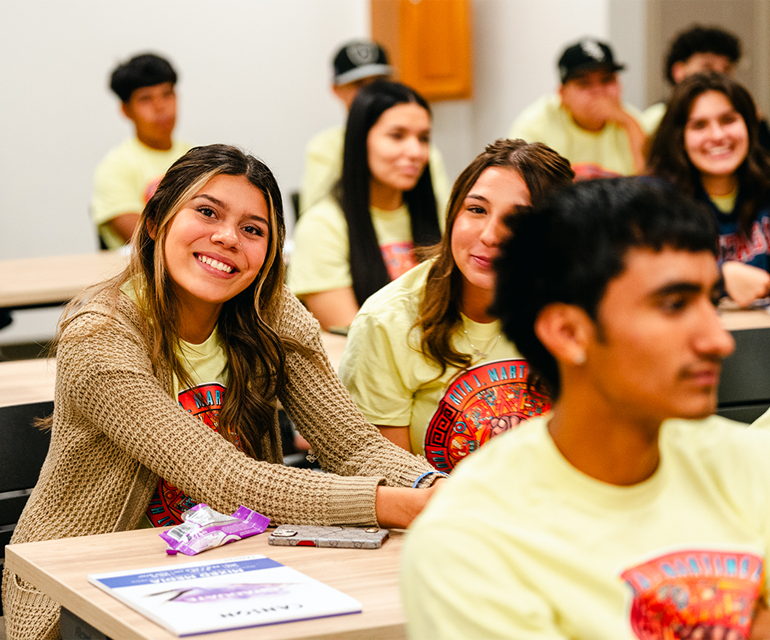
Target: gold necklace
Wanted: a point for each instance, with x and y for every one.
(478, 353)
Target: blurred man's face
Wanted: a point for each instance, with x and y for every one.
(588, 95)
(700, 62)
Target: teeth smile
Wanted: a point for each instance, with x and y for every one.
(216, 264)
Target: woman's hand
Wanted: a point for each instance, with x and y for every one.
(396, 507)
(745, 283)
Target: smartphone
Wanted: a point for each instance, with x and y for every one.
(338, 537)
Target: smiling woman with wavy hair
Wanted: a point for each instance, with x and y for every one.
(168, 379)
(425, 361)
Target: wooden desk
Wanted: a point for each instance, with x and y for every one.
(27, 381)
(60, 569)
(51, 281)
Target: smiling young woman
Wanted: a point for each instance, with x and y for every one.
(357, 240)
(168, 377)
(707, 146)
(424, 360)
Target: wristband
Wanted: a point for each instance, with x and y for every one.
(425, 475)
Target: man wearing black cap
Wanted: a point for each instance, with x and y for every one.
(356, 64)
(587, 122)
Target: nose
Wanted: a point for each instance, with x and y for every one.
(713, 339)
(416, 148)
(495, 230)
(225, 235)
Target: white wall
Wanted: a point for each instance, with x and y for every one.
(252, 72)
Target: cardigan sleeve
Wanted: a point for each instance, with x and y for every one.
(106, 381)
(321, 408)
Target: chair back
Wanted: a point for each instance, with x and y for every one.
(23, 448)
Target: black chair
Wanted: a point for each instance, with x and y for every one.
(23, 448)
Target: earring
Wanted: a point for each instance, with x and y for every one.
(579, 358)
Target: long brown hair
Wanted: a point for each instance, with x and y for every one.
(543, 170)
(255, 353)
(668, 157)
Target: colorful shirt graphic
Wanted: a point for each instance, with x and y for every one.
(480, 403)
(168, 503)
(398, 257)
(696, 593)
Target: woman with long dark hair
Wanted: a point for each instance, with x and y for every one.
(707, 145)
(364, 235)
(168, 377)
(424, 360)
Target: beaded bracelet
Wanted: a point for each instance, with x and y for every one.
(425, 475)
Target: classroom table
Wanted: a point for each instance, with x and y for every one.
(27, 381)
(30, 283)
(60, 568)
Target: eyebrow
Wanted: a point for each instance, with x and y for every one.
(219, 203)
(477, 196)
(674, 288)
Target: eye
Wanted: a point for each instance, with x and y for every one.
(477, 209)
(424, 138)
(255, 230)
(674, 303)
(207, 212)
(396, 135)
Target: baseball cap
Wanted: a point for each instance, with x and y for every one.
(360, 59)
(586, 55)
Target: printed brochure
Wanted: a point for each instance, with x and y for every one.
(247, 591)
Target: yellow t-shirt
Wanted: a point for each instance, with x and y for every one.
(521, 544)
(126, 179)
(321, 257)
(207, 364)
(592, 154)
(394, 384)
(323, 165)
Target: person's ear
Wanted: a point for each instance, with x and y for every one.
(565, 330)
(152, 230)
(678, 71)
(125, 109)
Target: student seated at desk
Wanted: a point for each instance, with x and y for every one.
(354, 242)
(602, 521)
(128, 175)
(167, 381)
(424, 360)
(707, 145)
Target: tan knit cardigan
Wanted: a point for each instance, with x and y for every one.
(117, 428)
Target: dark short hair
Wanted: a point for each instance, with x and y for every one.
(698, 39)
(367, 266)
(569, 249)
(144, 70)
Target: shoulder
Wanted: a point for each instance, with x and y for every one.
(329, 141)
(293, 319)
(399, 297)
(545, 106)
(651, 117)
(538, 119)
(124, 153)
(323, 218)
(722, 445)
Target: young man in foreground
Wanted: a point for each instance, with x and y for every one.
(129, 174)
(599, 522)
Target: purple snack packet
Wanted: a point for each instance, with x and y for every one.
(203, 528)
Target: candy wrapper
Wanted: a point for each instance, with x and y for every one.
(203, 528)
